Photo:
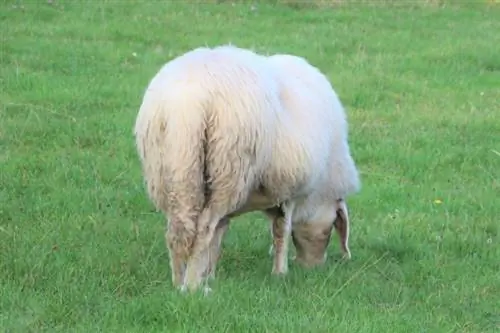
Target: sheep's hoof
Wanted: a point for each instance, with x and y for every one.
(207, 290)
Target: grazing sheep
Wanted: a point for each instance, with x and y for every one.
(224, 131)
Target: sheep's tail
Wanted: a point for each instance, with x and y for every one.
(170, 133)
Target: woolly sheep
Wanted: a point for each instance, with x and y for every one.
(225, 131)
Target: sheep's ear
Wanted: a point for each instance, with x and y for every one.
(341, 224)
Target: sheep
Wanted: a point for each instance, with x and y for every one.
(249, 137)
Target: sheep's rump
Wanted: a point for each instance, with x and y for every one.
(207, 123)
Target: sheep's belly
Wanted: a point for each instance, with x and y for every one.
(256, 201)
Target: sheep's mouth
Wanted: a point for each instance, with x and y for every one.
(311, 247)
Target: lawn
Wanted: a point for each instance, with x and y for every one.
(82, 249)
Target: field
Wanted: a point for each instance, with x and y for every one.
(82, 249)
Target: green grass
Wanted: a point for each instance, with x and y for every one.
(82, 250)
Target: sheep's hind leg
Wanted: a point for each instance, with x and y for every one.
(194, 275)
(199, 260)
(176, 241)
(282, 227)
(177, 266)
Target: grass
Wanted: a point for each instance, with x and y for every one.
(82, 250)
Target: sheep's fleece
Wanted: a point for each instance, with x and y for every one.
(223, 131)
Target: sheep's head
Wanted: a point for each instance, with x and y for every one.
(311, 238)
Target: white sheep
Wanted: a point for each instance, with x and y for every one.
(224, 131)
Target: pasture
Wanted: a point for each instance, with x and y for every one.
(82, 249)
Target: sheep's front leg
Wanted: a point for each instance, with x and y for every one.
(273, 214)
(215, 246)
(271, 247)
(282, 227)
